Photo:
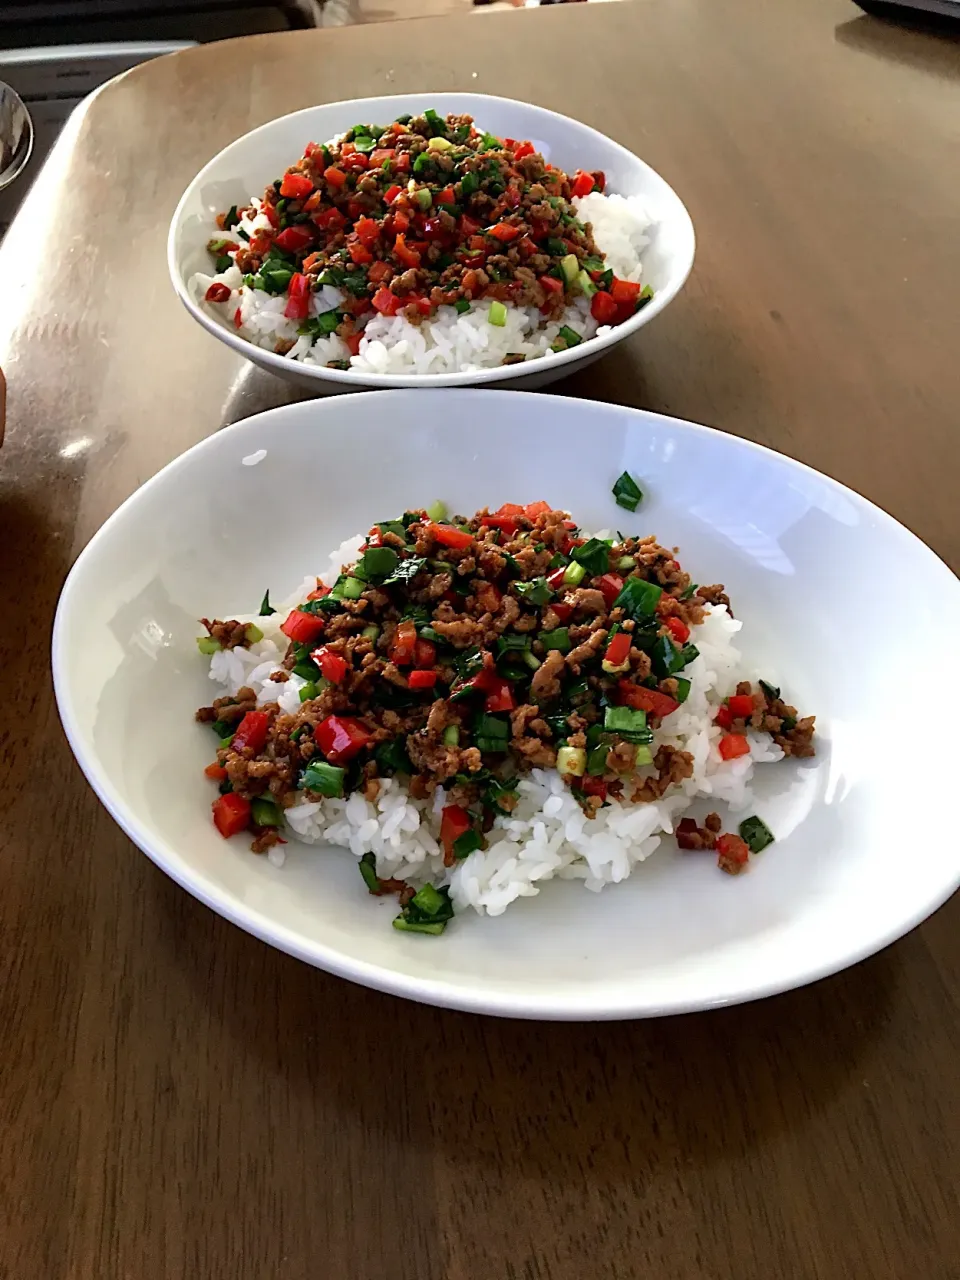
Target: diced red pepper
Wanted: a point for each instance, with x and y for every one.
(403, 647)
(302, 628)
(336, 177)
(468, 226)
(321, 591)
(611, 584)
(523, 149)
(741, 706)
(732, 854)
(477, 242)
(391, 193)
(618, 650)
(454, 822)
(396, 222)
(624, 291)
(563, 611)
(446, 196)
(260, 242)
(330, 220)
(217, 292)
(313, 203)
(237, 319)
(555, 579)
(295, 239)
(677, 628)
(724, 717)
(333, 666)
(379, 272)
(387, 302)
(215, 772)
(295, 186)
(231, 814)
(603, 308)
(488, 597)
(583, 183)
(402, 162)
(449, 536)
(379, 155)
(423, 305)
(424, 654)
(359, 253)
(340, 738)
(652, 701)
(499, 691)
(298, 298)
(368, 230)
(534, 509)
(409, 257)
(355, 162)
(733, 745)
(269, 211)
(422, 679)
(599, 179)
(505, 232)
(251, 731)
(592, 786)
(352, 343)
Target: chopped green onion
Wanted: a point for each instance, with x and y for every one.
(435, 927)
(630, 724)
(506, 644)
(435, 121)
(688, 653)
(265, 609)
(755, 832)
(364, 143)
(627, 492)
(556, 248)
(462, 305)
(488, 726)
(531, 659)
(437, 511)
(265, 813)
(451, 735)
(626, 563)
(323, 779)
(587, 287)
(308, 691)
(377, 562)
(683, 689)
(489, 143)
(353, 588)
(207, 645)
(570, 266)
(253, 633)
(231, 218)
(558, 639)
(574, 574)
(771, 690)
(534, 592)
(788, 723)
(391, 757)
(223, 263)
(225, 742)
(371, 632)
(406, 571)
(497, 314)
(440, 144)
(222, 728)
(597, 760)
(646, 293)
(469, 183)
(570, 336)
(428, 633)
(639, 598)
(368, 869)
(422, 161)
(428, 900)
(321, 326)
(644, 756)
(572, 761)
(404, 119)
(594, 555)
(423, 198)
(466, 844)
(687, 592)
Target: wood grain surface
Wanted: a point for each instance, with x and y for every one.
(179, 1101)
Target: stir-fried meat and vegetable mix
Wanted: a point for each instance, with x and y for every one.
(461, 653)
(423, 213)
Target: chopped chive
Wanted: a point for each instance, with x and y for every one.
(466, 844)
(627, 492)
(638, 598)
(756, 834)
(308, 691)
(771, 690)
(353, 588)
(376, 562)
(207, 645)
(368, 869)
(435, 927)
(462, 305)
(265, 813)
(683, 689)
(437, 511)
(497, 314)
(570, 336)
(594, 555)
(626, 563)
(323, 779)
(451, 735)
(574, 574)
(628, 723)
(265, 609)
(558, 639)
(253, 634)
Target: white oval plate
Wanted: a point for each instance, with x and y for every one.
(247, 166)
(839, 602)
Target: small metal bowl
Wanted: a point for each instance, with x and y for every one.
(16, 135)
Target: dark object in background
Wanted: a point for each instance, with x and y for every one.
(913, 11)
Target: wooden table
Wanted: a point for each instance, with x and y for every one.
(179, 1102)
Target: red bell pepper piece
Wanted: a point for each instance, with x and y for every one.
(403, 647)
(302, 628)
(733, 745)
(652, 701)
(504, 231)
(330, 220)
(741, 706)
(523, 149)
(563, 611)
(379, 272)
(321, 591)
(724, 717)
(446, 196)
(237, 319)
(624, 291)
(402, 162)
(591, 786)
(409, 257)
(391, 193)
(422, 679)
(251, 731)
(269, 211)
(583, 183)
(295, 186)
(555, 579)
(333, 666)
(352, 343)
(534, 509)
(295, 239)
(677, 628)
(215, 772)
(449, 536)
(454, 821)
(424, 653)
(359, 253)
(336, 177)
(368, 230)
(340, 738)
(298, 298)
(379, 155)
(499, 692)
(468, 227)
(611, 584)
(618, 649)
(603, 308)
(231, 814)
(217, 292)
(732, 854)
(387, 302)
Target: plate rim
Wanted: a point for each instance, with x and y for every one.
(434, 991)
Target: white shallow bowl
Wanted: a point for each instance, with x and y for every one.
(839, 602)
(250, 164)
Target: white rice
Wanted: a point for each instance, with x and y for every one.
(449, 342)
(547, 835)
